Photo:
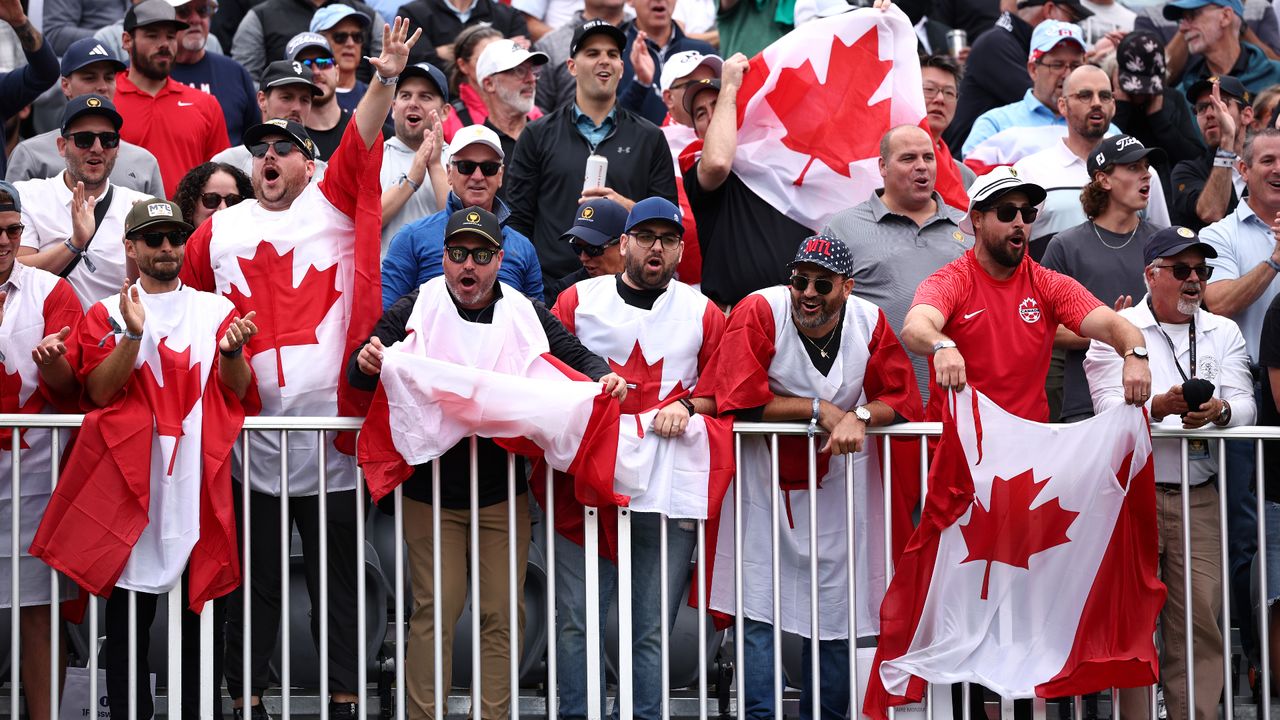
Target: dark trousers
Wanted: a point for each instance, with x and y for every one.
(116, 655)
(264, 559)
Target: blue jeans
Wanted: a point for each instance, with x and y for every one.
(646, 617)
(756, 679)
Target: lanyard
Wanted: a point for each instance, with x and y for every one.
(1191, 341)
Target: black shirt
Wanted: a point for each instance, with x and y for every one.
(327, 140)
(455, 464)
(1188, 181)
(1269, 357)
(993, 77)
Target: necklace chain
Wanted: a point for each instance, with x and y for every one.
(1114, 247)
(822, 350)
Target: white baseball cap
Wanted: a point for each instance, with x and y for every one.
(683, 63)
(472, 135)
(988, 188)
(502, 55)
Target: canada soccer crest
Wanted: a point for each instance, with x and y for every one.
(1029, 311)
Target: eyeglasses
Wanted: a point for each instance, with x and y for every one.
(211, 200)
(524, 70)
(1006, 213)
(590, 250)
(84, 139)
(670, 241)
(342, 38)
(1059, 66)
(319, 63)
(154, 240)
(1201, 108)
(282, 148)
(14, 231)
(1084, 96)
(458, 254)
(932, 91)
(1182, 271)
(822, 286)
(488, 168)
(204, 11)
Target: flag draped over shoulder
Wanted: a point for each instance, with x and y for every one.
(814, 104)
(1029, 534)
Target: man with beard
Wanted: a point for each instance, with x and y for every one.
(328, 120)
(508, 76)
(1087, 104)
(1209, 186)
(1189, 345)
(287, 92)
(411, 168)
(660, 334)
(989, 317)
(63, 232)
(180, 125)
(595, 237)
(213, 72)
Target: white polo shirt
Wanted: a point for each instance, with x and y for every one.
(46, 211)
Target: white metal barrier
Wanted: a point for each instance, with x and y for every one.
(548, 687)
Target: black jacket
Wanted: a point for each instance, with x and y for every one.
(1188, 181)
(440, 25)
(995, 75)
(544, 180)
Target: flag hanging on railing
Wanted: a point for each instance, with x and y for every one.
(1029, 535)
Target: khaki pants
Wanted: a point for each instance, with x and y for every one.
(495, 610)
(1206, 602)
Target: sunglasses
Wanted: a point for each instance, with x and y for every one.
(590, 250)
(670, 241)
(84, 139)
(211, 200)
(1182, 271)
(203, 11)
(822, 286)
(482, 256)
(488, 168)
(342, 38)
(1006, 213)
(14, 231)
(154, 240)
(320, 63)
(282, 148)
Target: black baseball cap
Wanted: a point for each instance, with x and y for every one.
(289, 72)
(1140, 63)
(90, 104)
(477, 221)
(85, 52)
(1227, 85)
(152, 12)
(695, 88)
(596, 27)
(1120, 149)
(1173, 240)
(1078, 11)
(430, 72)
(280, 126)
(826, 251)
(600, 221)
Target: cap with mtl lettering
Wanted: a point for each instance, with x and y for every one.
(154, 211)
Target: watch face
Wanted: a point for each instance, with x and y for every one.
(1140, 351)
(862, 414)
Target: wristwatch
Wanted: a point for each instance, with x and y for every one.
(1139, 352)
(862, 413)
(1224, 417)
(943, 344)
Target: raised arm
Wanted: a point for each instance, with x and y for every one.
(376, 103)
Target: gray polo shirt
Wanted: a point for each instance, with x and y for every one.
(892, 256)
(37, 158)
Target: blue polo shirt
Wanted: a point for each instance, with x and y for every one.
(1027, 112)
(1243, 241)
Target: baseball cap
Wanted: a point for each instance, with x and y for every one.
(695, 89)
(475, 134)
(304, 40)
(1140, 63)
(430, 72)
(1120, 149)
(154, 211)
(827, 251)
(288, 72)
(330, 15)
(1173, 11)
(280, 126)
(1173, 240)
(655, 208)
(152, 12)
(994, 185)
(16, 205)
(599, 222)
(1078, 10)
(596, 27)
(85, 52)
(90, 104)
(1049, 33)
(1227, 85)
(502, 55)
(683, 63)
(475, 220)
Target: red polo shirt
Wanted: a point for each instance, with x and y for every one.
(183, 127)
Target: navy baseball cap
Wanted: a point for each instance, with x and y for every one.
(90, 105)
(596, 27)
(655, 208)
(1227, 85)
(430, 72)
(16, 205)
(1173, 240)
(826, 251)
(1174, 10)
(599, 222)
(85, 52)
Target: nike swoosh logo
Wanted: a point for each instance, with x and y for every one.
(184, 104)
(976, 312)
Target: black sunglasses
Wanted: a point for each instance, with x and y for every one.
(482, 256)
(591, 250)
(488, 168)
(155, 239)
(1182, 271)
(14, 231)
(282, 148)
(342, 38)
(1006, 213)
(822, 286)
(211, 200)
(84, 139)
(321, 63)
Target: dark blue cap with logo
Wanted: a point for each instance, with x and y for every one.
(85, 52)
(90, 105)
(826, 251)
(655, 208)
(1173, 240)
(16, 204)
(599, 222)
(430, 72)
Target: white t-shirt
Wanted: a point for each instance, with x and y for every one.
(396, 159)
(552, 12)
(1106, 17)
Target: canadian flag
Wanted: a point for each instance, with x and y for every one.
(814, 104)
(1009, 146)
(1029, 534)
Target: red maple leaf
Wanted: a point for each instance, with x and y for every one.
(287, 315)
(834, 121)
(1009, 531)
(171, 402)
(10, 392)
(647, 381)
